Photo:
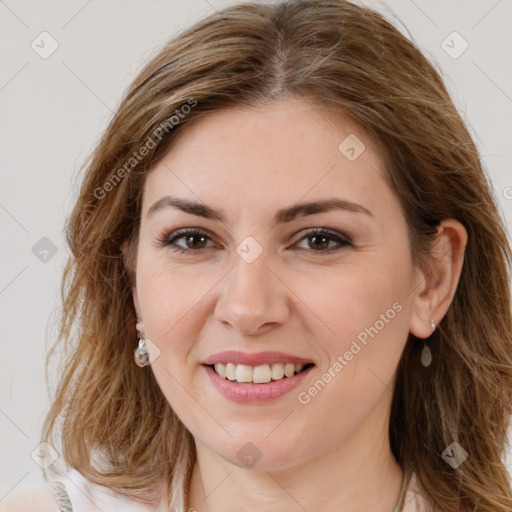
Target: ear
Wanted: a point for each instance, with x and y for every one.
(136, 302)
(135, 297)
(435, 287)
(141, 330)
(128, 262)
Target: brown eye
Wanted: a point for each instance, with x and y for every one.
(193, 240)
(319, 240)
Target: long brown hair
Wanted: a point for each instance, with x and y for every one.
(115, 425)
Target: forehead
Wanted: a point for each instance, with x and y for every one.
(259, 156)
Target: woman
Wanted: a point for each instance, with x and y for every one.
(288, 227)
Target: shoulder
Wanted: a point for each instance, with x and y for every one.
(73, 492)
(40, 499)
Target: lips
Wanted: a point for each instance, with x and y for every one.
(254, 359)
(244, 393)
(253, 392)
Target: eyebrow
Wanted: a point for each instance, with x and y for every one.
(284, 215)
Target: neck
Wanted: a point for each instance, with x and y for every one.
(358, 475)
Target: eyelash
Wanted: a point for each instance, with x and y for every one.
(168, 240)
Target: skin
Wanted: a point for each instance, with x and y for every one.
(332, 453)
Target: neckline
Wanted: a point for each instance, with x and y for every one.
(405, 482)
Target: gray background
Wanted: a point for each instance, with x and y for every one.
(53, 111)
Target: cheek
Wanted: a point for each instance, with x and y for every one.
(367, 329)
(364, 307)
(351, 301)
(167, 295)
(171, 302)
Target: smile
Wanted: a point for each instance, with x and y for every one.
(261, 374)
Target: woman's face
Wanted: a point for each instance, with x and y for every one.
(251, 282)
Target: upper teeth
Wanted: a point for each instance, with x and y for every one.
(257, 374)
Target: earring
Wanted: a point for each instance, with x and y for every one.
(141, 354)
(139, 326)
(426, 353)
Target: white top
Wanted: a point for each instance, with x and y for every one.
(74, 493)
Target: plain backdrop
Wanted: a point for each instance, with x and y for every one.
(55, 107)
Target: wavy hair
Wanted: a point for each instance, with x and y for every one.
(112, 421)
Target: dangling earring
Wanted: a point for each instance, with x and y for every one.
(426, 354)
(141, 354)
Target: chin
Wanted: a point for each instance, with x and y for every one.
(254, 451)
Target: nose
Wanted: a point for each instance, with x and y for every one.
(254, 298)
